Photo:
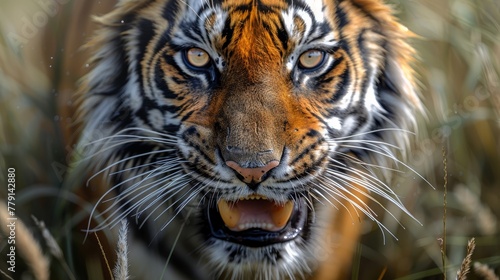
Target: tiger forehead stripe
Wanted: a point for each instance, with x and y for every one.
(256, 3)
(255, 24)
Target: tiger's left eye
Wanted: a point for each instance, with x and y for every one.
(311, 59)
(197, 57)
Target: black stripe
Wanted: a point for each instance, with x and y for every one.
(121, 118)
(146, 106)
(243, 8)
(362, 9)
(191, 30)
(308, 169)
(301, 5)
(187, 136)
(170, 14)
(282, 35)
(265, 9)
(341, 16)
(322, 29)
(341, 88)
(146, 29)
(308, 149)
(227, 33)
(366, 65)
(171, 11)
(186, 77)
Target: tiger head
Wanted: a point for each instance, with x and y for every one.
(238, 126)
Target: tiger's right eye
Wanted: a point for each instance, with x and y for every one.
(197, 57)
(311, 59)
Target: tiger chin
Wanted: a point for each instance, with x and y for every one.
(241, 137)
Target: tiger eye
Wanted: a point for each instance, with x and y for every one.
(311, 59)
(197, 57)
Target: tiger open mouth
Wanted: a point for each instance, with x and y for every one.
(257, 221)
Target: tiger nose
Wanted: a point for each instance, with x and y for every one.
(252, 175)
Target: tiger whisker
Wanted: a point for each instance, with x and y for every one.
(207, 184)
(125, 160)
(191, 196)
(120, 138)
(330, 202)
(333, 195)
(128, 138)
(146, 187)
(375, 190)
(371, 147)
(176, 240)
(149, 174)
(171, 179)
(365, 141)
(111, 220)
(375, 131)
(133, 188)
(370, 213)
(369, 174)
(180, 188)
(324, 197)
(164, 161)
(365, 165)
(138, 129)
(170, 206)
(309, 202)
(395, 160)
(376, 186)
(363, 181)
(377, 183)
(337, 190)
(167, 166)
(189, 199)
(127, 196)
(111, 142)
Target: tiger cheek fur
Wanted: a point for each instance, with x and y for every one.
(245, 128)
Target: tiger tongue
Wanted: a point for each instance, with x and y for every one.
(255, 213)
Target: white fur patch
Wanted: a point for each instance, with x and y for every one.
(334, 123)
(156, 119)
(350, 122)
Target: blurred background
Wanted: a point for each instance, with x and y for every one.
(458, 48)
(457, 147)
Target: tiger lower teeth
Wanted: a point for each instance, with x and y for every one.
(256, 225)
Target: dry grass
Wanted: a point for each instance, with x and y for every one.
(466, 263)
(485, 272)
(120, 272)
(26, 247)
(459, 49)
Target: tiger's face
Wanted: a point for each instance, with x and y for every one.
(246, 122)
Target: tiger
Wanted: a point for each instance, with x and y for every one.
(244, 139)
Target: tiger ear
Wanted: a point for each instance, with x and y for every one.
(399, 65)
(400, 55)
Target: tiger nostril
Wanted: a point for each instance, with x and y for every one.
(252, 175)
